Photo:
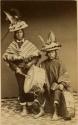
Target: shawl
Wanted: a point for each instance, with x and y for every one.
(27, 50)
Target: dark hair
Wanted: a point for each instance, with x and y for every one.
(16, 32)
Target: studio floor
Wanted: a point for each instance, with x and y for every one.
(9, 116)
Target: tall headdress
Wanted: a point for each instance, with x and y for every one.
(51, 43)
(15, 22)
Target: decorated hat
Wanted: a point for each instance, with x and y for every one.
(15, 22)
(51, 43)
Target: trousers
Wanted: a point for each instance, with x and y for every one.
(27, 97)
(20, 80)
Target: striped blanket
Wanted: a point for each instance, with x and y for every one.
(27, 49)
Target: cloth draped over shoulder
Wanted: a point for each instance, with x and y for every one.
(26, 50)
(56, 72)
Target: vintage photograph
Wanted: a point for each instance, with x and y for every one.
(39, 62)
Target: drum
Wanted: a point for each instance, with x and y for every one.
(35, 77)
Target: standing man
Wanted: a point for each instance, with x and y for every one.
(20, 55)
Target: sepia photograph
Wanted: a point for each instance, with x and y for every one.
(39, 81)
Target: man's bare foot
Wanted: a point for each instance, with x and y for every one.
(55, 117)
(41, 113)
(24, 111)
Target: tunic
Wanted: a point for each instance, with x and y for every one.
(56, 72)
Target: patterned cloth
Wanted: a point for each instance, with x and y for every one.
(26, 50)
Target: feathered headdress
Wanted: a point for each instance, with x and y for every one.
(51, 43)
(15, 22)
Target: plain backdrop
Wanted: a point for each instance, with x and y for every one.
(42, 17)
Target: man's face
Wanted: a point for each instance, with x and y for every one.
(52, 54)
(19, 34)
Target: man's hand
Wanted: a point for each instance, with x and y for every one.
(18, 70)
(20, 58)
(61, 87)
(13, 66)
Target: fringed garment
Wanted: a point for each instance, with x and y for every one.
(19, 52)
(26, 50)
